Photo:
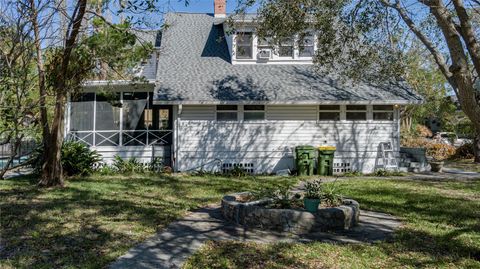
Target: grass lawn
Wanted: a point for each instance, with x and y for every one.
(464, 164)
(94, 220)
(441, 230)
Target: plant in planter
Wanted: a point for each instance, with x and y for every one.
(313, 194)
(438, 153)
(330, 195)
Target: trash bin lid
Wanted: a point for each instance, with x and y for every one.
(304, 147)
(321, 148)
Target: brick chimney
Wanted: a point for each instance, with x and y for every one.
(220, 8)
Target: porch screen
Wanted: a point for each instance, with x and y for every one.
(81, 112)
(136, 118)
(107, 120)
(81, 117)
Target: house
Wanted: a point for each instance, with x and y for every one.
(216, 99)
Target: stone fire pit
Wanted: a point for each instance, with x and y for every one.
(255, 214)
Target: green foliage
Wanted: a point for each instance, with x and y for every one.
(350, 35)
(387, 173)
(237, 172)
(128, 166)
(313, 189)
(353, 174)
(281, 196)
(117, 47)
(331, 195)
(106, 170)
(78, 159)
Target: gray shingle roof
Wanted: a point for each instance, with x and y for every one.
(194, 67)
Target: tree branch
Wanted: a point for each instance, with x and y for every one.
(437, 55)
(468, 34)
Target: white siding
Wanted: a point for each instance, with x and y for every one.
(143, 154)
(292, 113)
(194, 112)
(270, 144)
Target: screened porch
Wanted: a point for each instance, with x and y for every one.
(120, 119)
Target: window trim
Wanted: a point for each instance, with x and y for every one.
(329, 110)
(236, 111)
(366, 111)
(383, 111)
(252, 47)
(294, 49)
(313, 36)
(264, 111)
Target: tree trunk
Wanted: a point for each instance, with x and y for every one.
(476, 147)
(52, 172)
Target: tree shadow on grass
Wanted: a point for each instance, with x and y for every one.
(79, 224)
(93, 220)
(440, 226)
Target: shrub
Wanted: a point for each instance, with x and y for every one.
(423, 131)
(387, 173)
(352, 174)
(415, 142)
(440, 151)
(465, 151)
(106, 170)
(128, 166)
(156, 165)
(78, 159)
(237, 172)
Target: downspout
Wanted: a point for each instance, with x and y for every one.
(176, 134)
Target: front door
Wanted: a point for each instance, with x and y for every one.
(161, 132)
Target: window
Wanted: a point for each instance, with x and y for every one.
(254, 112)
(227, 113)
(265, 44)
(244, 45)
(329, 112)
(356, 112)
(306, 46)
(286, 48)
(383, 112)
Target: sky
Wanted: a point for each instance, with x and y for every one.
(199, 6)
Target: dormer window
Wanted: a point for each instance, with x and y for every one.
(286, 48)
(244, 43)
(306, 46)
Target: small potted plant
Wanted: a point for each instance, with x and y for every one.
(438, 153)
(313, 194)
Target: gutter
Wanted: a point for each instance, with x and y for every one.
(320, 102)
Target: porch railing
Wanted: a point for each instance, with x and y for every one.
(122, 138)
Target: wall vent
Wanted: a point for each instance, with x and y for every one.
(247, 167)
(342, 167)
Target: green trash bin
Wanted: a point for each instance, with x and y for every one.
(325, 160)
(305, 160)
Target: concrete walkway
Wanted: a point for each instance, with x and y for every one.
(171, 247)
